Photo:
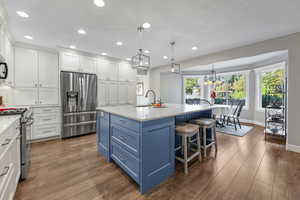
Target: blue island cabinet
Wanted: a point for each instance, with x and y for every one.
(144, 150)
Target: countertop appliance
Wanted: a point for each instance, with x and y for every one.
(79, 101)
(26, 122)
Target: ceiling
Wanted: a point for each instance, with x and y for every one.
(240, 61)
(210, 25)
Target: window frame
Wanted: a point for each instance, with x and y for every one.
(259, 75)
(247, 81)
(193, 76)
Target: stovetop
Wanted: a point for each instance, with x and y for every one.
(12, 111)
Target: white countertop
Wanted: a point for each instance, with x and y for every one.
(150, 113)
(7, 121)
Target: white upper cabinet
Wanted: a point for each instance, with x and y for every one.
(107, 70)
(132, 93)
(48, 96)
(113, 92)
(48, 70)
(25, 96)
(103, 93)
(88, 64)
(126, 73)
(69, 62)
(26, 63)
(123, 93)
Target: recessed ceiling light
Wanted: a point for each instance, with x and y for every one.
(22, 14)
(165, 57)
(119, 43)
(194, 48)
(28, 37)
(81, 31)
(99, 3)
(128, 59)
(103, 54)
(72, 46)
(146, 25)
(147, 51)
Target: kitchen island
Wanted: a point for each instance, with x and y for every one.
(141, 140)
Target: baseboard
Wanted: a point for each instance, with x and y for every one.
(252, 122)
(294, 148)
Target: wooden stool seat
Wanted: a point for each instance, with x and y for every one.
(185, 128)
(204, 122)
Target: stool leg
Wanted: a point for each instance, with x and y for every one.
(215, 139)
(185, 154)
(199, 145)
(204, 141)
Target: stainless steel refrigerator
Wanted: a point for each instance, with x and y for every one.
(79, 101)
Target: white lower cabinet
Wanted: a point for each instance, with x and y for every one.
(10, 161)
(46, 122)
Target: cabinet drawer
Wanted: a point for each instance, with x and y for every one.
(46, 119)
(126, 123)
(126, 161)
(6, 138)
(45, 131)
(128, 139)
(46, 110)
(5, 172)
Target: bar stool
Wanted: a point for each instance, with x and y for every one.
(186, 131)
(207, 123)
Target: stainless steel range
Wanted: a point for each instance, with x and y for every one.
(26, 122)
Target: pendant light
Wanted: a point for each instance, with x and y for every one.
(211, 78)
(140, 61)
(175, 67)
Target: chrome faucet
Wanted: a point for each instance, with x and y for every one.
(154, 95)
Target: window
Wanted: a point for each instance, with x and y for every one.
(231, 88)
(193, 89)
(272, 86)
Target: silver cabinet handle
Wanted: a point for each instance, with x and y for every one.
(7, 141)
(41, 102)
(122, 159)
(5, 171)
(35, 85)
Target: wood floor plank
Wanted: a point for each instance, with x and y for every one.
(244, 168)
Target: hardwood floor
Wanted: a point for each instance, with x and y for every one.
(244, 168)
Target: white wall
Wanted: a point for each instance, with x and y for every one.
(290, 43)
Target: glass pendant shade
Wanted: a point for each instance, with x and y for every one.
(175, 67)
(140, 61)
(211, 78)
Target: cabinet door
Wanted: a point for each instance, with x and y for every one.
(25, 68)
(48, 96)
(123, 93)
(88, 65)
(113, 71)
(103, 98)
(102, 69)
(126, 73)
(25, 96)
(9, 61)
(70, 62)
(132, 93)
(48, 69)
(113, 93)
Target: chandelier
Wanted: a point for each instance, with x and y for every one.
(140, 61)
(211, 78)
(175, 67)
